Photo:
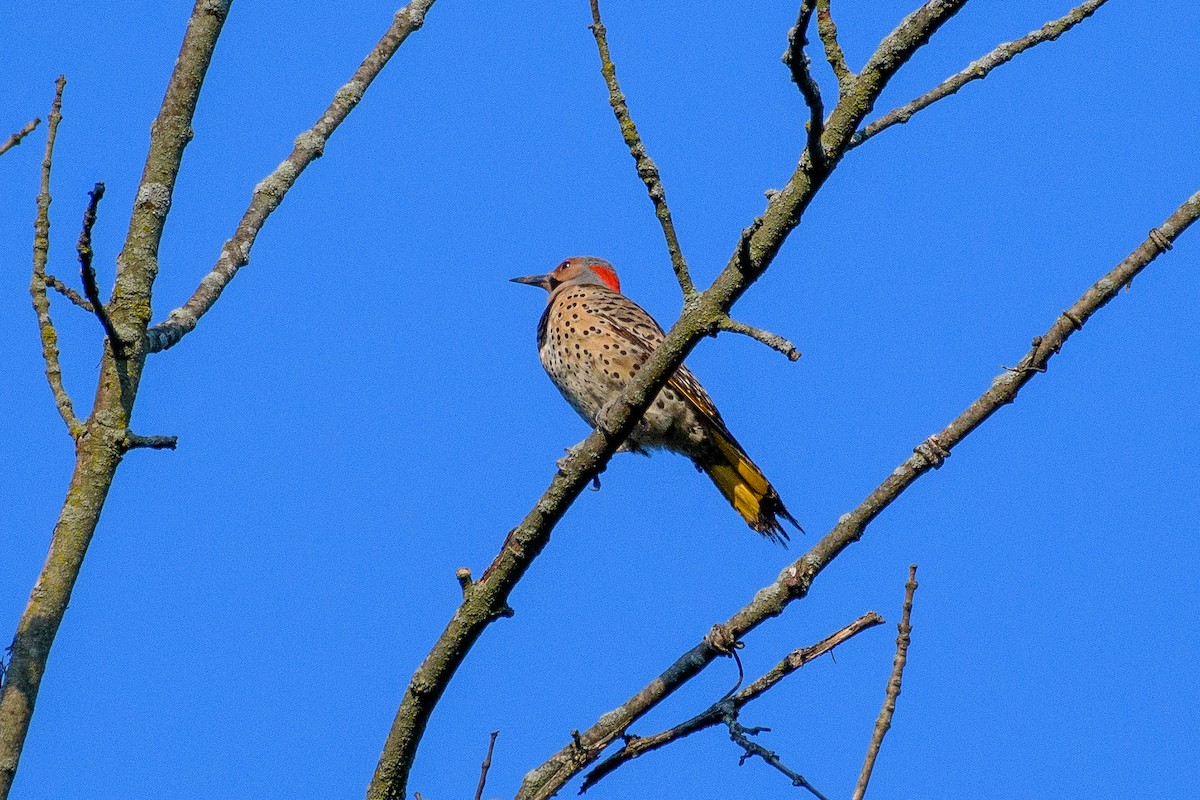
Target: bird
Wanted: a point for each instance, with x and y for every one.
(591, 341)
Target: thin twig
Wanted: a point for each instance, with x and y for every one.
(15, 139)
(485, 766)
(37, 285)
(978, 70)
(88, 273)
(827, 30)
(740, 735)
(647, 170)
(884, 722)
(772, 340)
(269, 193)
(797, 61)
(635, 746)
(67, 292)
(796, 580)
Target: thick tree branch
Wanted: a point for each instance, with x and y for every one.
(978, 70)
(99, 443)
(715, 714)
(884, 722)
(269, 193)
(15, 139)
(37, 285)
(487, 599)
(796, 580)
(647, 170)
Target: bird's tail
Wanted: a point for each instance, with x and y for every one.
(746, 488)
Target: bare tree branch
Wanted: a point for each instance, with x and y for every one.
(771, 340)
(978, 70)
(487, 599)
(15, 139)
(269, 193)
(740, 734)
(647, 170)
(715, 714)
(69, 293)
(827, 30)
(893, 688)
(796, 580)
(797, 61)
(98, 449)
(88, 274)
(131, 441)
(37, 285)
(485, 766)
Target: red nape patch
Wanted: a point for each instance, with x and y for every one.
(609, 277)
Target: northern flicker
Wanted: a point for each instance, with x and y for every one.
(592, 339)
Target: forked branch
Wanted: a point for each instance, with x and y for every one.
(797, 61)
(269, 193)
(486, 599)
(796, 580)
(978, 70)
(37, 285)
(718, 712)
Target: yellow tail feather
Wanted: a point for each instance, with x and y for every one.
(746, 488)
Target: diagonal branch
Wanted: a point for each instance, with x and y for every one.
(796, 580)
(647, 170)
(978, 70)
(893, 688)
(15, 139)
(37, 286)
(715, 714)
(269, 193)
(486, 600)
(66, 291)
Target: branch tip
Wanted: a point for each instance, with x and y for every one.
(771, 340)
(15, 139)
(884, 722)
(979, 69)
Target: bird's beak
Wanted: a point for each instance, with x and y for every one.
(535, 280)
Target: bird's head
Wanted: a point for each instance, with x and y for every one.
(575, 271)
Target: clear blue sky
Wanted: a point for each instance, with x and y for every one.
(363, 412)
